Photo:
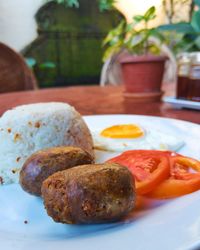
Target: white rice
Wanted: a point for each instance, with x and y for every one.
(28, 128)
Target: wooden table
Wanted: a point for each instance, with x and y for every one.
(92, 100)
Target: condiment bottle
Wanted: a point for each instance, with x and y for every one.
(182, 87)
(194, 77)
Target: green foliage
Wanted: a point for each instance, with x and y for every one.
(181, 27)
(69, 3)
(126, 36)
(45, 70)
(195, 22)
(197, 2)
(47, 65)
(31, 62)
(106, 4)
(103, 4)
(189, 32)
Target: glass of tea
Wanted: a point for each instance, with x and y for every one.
(194, 77)
(188, 76)
(182, 87)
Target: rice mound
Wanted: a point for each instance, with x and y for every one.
(29, 128)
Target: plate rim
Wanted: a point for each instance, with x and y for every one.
(143, 116)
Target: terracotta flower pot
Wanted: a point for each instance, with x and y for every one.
(142, 74)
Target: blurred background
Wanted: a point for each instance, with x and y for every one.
(61, 41)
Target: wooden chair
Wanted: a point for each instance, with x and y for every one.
(111, 72)
(15, 75)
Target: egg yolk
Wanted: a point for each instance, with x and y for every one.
(123, 131)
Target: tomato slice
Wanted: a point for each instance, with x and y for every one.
(149, 168)
(181, 181)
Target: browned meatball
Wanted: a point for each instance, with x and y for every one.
(46, 162)
(89, 194)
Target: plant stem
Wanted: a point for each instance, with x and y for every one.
(191, 10)
(168, 6)
(171, 11)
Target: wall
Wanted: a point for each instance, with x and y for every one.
(17, 24)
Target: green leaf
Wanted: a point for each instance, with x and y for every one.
(154, 49)
(129, 27)
(103, 4)
(197, 2)
(197, 42)
(187, 45)
(157, 34)
(195, 22)
(106, 4)
(111, 51)
(181, 27)
(139, 39)
(150, 13)
(136, 40)
(116, 33)
(68, 3)
(31, 62)
(49, 65)
(138, 18)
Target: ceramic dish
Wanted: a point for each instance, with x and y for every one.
(168, 225)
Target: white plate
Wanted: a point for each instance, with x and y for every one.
(170, 225)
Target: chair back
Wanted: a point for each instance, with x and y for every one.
(15, 75)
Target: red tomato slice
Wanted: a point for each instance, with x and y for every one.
(181, 181)
(149, 167)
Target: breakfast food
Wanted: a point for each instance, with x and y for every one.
(29, 128)
(46, 162)
(147, 166)
(184, 178)
(161, 174)
(122, 137)
(89, 194)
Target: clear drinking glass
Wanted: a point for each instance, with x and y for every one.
(194, 77)
(182, 88)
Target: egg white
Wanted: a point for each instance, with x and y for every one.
(154, 139)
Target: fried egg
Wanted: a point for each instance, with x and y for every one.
(122, 137)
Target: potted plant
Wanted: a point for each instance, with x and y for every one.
(138, 51)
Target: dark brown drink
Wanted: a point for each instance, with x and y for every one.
(194, 78)
(183, 76)
(194, 90)
(182, 87)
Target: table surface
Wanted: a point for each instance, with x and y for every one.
(91, 100)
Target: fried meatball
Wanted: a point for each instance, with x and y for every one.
(89, 194)
(46, 162)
